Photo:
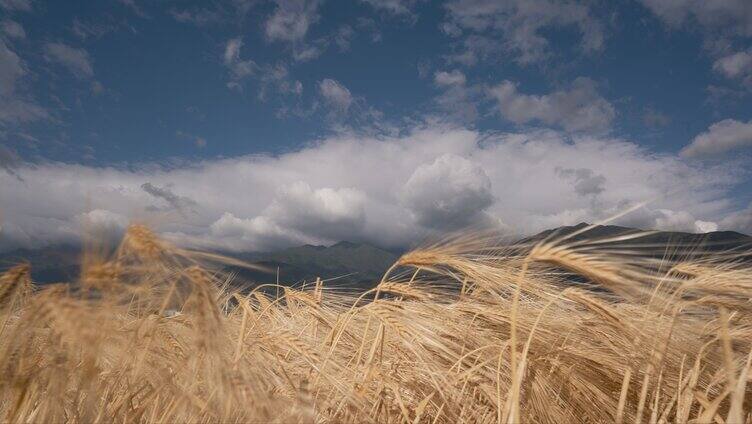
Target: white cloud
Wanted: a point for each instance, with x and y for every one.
(291, 20)
(670, 220)
(736, 66)
(100, 223)
(578, 108)
(76, 60)
(518, 26)
(336, 95)
(717, 15)
(239, 68)
(739, 221)
(397, 7)
(458, 101)
(454, 77)
(12, 29)
(343, 37)
(392, 191)
(259, 233)
(328, 213)
(721, 137)
(275, 77)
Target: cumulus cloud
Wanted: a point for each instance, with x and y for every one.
(721, 137)
(577, 108)
(233, 233)
(336, 95)
(452, 192)
(519, 26)
(76, 60)
(327, 213)
(388, 190)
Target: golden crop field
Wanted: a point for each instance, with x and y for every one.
(465, 330)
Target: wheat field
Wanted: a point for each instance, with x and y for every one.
(464, 330)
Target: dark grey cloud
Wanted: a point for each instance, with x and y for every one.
(449, 193)
(174, 202)
(586, 182)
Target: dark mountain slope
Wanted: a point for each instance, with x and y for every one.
(361, 265)
(656, 243)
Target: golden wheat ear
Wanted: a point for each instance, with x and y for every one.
(15, 285)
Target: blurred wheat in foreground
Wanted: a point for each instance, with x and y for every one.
(461, 331)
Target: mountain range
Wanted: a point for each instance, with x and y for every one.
(357, 264)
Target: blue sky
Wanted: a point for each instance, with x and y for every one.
(516, 114)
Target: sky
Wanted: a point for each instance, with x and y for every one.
(251, 125)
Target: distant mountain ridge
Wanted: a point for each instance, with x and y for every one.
(358, 265)
(348, 263)
(712, 241)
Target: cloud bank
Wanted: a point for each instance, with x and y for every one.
(391, 191)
